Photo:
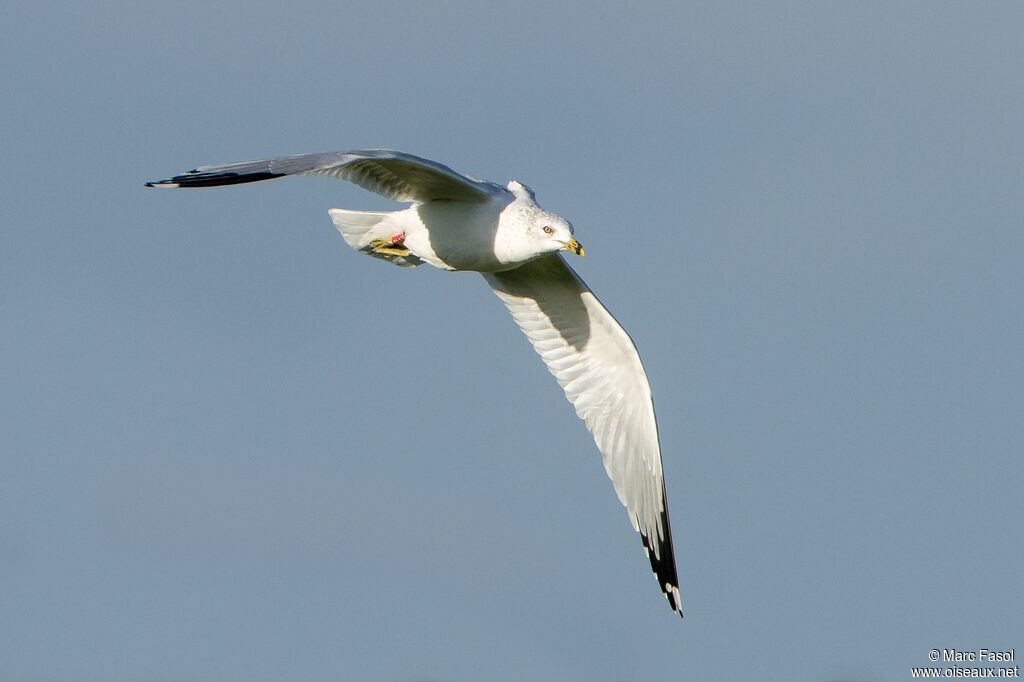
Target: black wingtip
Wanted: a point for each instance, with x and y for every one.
(664, 567)
(197, 178)
(663, 561)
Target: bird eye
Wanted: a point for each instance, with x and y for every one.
(547, 230)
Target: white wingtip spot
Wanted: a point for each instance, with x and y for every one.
(677, 604)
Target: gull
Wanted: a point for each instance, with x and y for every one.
(458, 222)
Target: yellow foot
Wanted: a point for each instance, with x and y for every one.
(389, 250)
(390, 246)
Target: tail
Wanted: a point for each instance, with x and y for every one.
(362, 228)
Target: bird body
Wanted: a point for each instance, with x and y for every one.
(480, 236)
(457, 222)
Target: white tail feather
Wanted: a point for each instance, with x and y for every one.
(360, 228)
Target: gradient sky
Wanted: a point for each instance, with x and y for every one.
(233, 449)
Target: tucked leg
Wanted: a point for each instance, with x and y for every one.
(390, 246)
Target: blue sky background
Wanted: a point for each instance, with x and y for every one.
(235, 450)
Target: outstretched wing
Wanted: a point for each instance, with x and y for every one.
(597, 365)
(395, 175)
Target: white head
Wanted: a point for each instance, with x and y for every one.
(526, 231)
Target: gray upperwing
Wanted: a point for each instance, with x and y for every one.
(395, 175)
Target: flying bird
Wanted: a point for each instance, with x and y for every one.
(457, 222)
